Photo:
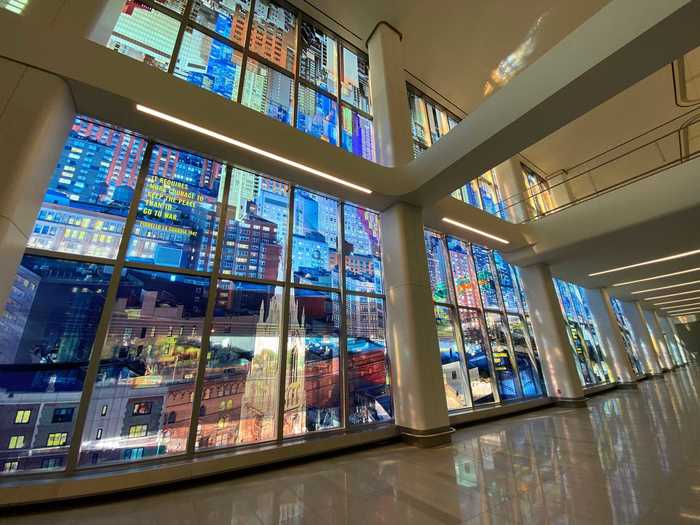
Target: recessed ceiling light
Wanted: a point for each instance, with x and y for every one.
(247, 147)
(665, 287)
(645, 263)
(474, 230)
(658, 277)
(670, 295)
(678, 301)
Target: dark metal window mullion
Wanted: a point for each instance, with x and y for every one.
(344, 384)
(246, 45)
(103, 325)
(209, 317)
(180, 35)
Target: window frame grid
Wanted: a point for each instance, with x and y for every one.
(186, 23)
(120, 263)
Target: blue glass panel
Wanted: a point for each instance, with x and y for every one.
(256, 227)
(437, 266)
(317, 115)
(363, 250)
(500, 351)
(149, 359)
(463, 273)
(315, 239)
(178, 216)
(229, 18)
(241, 381)
(46, 335)
(369, 385)
(357, 135)
(209, 64)
(507, 285)
(312, 381)
(274, 33)
(485, 277)
(527, 364)
(478, 364)
(88, 198)
(267, 91)
(453, 369)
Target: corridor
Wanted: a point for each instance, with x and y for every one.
(629, 457)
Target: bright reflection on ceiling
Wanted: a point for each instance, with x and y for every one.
(515, 62)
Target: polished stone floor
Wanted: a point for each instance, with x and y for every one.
(631, 456)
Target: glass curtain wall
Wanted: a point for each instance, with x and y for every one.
(589, 355)
(671, 343)
(264, 54)
(485, 339)
(168, 303)
(538, 198)
(429, 122)
(627, 336)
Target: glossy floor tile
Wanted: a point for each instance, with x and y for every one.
(630, 456)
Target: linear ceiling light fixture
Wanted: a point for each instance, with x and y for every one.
(684, 312)
(670, 295)
(681, 314)
(664, 287)
(678, 301)
(658, 277)
(645, 263)
(247, 147)
(474, 230)
(680, 307)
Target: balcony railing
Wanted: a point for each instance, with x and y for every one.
(651, 153)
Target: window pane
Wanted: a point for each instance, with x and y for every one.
(228, 18)
(144, 34)
(471, 192)
(176, 5)
(355, 83)
(484, 274)
(317, 115)
(209, 64)
(312, 380)
(274, 34)
(369, 384)
(46, 334)
(358, 134)
(256, 227)
(527, 367)
(242, 375)
(439, 124)
(178, 214)
(490, 196)
(463, 273)
(453, 375)
(478, 365)
(500, 351)
(319, 58)
(419, 119)
(150, 355)
(575, 336)
(507, 285)
(88, 198)
(267, 91)
(315, 240)
(437, 266)
(363, 250)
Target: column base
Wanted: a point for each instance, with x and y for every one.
(427, 438)
(629, 386)
(570, 402)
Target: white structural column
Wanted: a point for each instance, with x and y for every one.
(657, 335)
(513, 190)
(36, 115)
(419, 393)
(392, 119)
(610, 336)
(648, 355)
(549, 326)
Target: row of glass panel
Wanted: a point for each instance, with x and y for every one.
(486, 346)
(583, 336)
(261, 53)
(672, 342)
(650, 321)
(627, 336)
(173, 292)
